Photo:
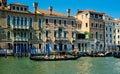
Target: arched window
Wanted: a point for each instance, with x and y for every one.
(24, 34)
(30, 22)
(40, 36)
(65, 34)
(14, 34)
(59, 32)
(18, 35)
(72, 34)
(21, 21)
(8, 35)
(39, 23)
(96, 35)
(13, 20)
(8, 20)
(25, 21)
(18, 21)
(21, 35)
(47, 34)
(30, 35)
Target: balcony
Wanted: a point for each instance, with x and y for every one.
(20, 27)
(61, 38)
(20, 39)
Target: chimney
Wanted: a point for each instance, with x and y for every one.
(68, 12)
(3, 3)
(35, 5)
(50, 9)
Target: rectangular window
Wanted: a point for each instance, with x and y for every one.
(92, 35)
(100, 36)
(31, 35)
(18, 21)
(13, 20)
(106, 28)
(110, 30)
(65, 47)
(96, 16)
(47, 34)
(106, 35)
(40, 36)
(72, 46)
(114, 31)
(86, 24)
(114, 42)
(55, 47)
(65, 34)
(96, 25)
(30, 22)
(72, 34)
(110, 35)
(40, 46)
(55, 34)
(25, 21)
(91, 16)
(114, 37)
(92, 25)
(21, 21)
(24, 34)
(39, 23)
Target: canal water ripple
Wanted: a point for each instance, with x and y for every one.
(84, 65)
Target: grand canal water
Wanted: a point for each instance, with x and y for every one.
(84, 65)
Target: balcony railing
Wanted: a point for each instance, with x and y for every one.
(20, 27)
(61, 38)
(20, 39)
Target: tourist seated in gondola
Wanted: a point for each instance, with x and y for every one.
(75, 52)
(64, 54)
(46, 57)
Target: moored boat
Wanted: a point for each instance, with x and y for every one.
(36, 58)
(117, 54)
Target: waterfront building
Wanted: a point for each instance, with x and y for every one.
(22, 30)
(116, 34)
(59, 29)
(109, 27)
(81, 38)
(93, 26)
(19, 28)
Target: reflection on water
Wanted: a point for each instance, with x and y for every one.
(84, 65)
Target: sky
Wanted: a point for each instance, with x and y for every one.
(110, 7)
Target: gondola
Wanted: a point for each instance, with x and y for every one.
(59, 59)
(117, 56)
